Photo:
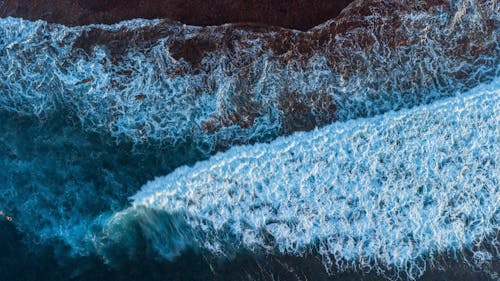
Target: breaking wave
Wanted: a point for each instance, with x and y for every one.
(389, 191)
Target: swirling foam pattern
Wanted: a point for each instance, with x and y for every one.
(158, 81)
(392, 190)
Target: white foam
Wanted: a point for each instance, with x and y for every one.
(162, 101)
(388, 190)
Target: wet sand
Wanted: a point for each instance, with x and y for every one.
(298, 14)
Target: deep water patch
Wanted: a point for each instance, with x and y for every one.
(56, 178)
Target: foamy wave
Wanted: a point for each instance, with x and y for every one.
(157, 81)
(389, 191)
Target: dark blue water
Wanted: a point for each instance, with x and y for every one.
(19, 261)
(58, 153)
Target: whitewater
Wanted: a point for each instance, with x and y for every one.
(160, 82)
(389, 191)
(113, 138)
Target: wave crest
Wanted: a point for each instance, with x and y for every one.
(388, 191)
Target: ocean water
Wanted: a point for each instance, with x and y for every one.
(389, 191)
(108, 172)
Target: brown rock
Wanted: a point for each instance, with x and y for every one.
(306, 111)
(84, 81)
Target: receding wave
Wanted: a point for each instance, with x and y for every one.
(390, 191)
(163, 82)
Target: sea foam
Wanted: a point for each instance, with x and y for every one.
(163, 82)
(385, 192)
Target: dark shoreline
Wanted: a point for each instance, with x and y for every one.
(297, 14)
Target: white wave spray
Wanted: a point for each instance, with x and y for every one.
(389, 191)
